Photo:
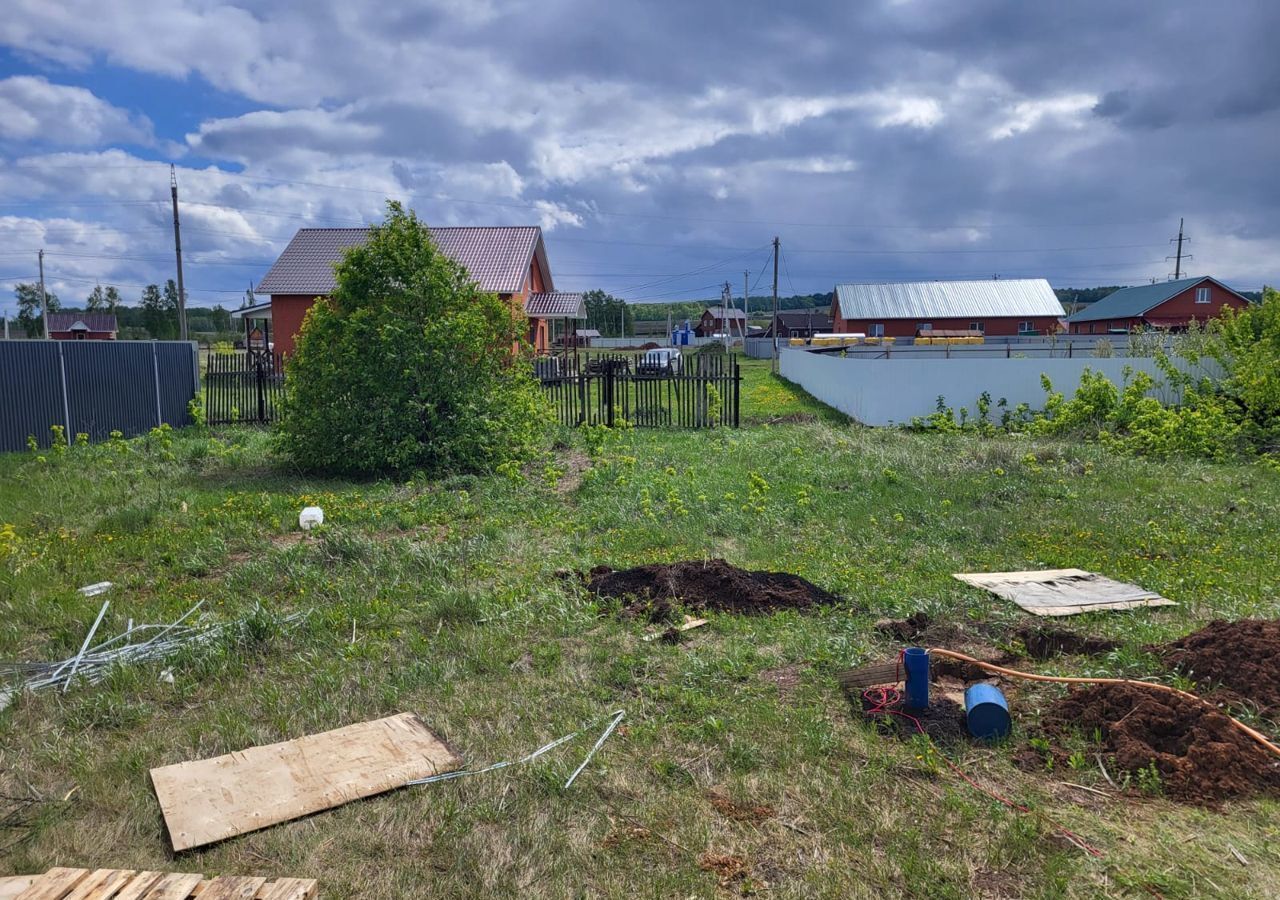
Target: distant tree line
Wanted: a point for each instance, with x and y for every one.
(155, 316)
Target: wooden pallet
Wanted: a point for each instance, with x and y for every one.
(129, 884)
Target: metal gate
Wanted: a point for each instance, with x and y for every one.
(243, 387)
(609, 389)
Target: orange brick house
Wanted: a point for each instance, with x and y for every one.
(510, 261)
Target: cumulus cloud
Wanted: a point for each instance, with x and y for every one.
(34, 110)
(663, 136)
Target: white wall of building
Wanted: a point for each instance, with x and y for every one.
(894, 391)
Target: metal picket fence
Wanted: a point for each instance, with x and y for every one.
(608, 389)
(243, 387)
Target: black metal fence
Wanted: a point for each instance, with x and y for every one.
(701, 391)
(93, 388)
(243, 387)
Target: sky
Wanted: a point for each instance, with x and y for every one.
(661, 145)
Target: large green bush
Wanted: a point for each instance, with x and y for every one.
(408, 365)
(1247, 345)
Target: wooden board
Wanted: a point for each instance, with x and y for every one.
(1063, 592)
(213, 799)
(13, 885)
(126, 884)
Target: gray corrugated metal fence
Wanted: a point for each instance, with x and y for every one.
(94, 387)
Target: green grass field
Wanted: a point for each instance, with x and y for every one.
(450, 589)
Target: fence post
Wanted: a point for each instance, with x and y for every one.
(155, 370)
(66, 405)
(262, 390)
(737, 393)
(608, 392)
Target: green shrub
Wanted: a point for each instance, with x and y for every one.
(408, 365)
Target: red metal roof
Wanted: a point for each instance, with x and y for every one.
(498, 257)
(93, 321)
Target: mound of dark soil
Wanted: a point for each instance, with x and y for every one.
(1243, 657)
(944, 721)
(655, 591)
(1046, 643)
(1201, 758)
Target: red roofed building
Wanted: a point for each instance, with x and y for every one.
(85, 326)
(510, 261)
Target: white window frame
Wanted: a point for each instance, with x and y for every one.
(876, 330)
(1027, 327)
(924, 326)
(978, 326)
(1204, 292)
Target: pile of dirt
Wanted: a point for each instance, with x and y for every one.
(1200, 756)
(655, 591)
(1241, 658)
(1046, 643)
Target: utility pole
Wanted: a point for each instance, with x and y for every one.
(177, 249)
(775, 305)
(1177, 265)
(44, 298)
(746, 298)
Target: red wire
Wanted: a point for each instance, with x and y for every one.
(882, 698)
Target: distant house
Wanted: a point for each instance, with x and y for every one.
(649, 327)
(799, 323)
(1169, 305)
(1013, 306)
(85, 326)
(582, 337)
(721, 320)
(510, 261)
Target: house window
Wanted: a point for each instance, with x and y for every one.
(1027, 327)
(79, 335)
(1091, 328)
(925, 326)
(978, 326)
(1203, 295)
(876, 330)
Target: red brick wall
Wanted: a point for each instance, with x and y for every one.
(88, 336)
(1182, 308)
(287, 312)
(903, 328)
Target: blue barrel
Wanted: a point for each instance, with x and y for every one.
(986, 711)
(916, 661)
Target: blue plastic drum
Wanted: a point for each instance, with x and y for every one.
(987, 712)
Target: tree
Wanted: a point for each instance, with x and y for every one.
(155, 316)
(114, 301)
(30, 314)
(96, 301)
(408, 365)
(221, 318)
(608, 314)
(1246, 343)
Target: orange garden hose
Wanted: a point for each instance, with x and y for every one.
(1257, 736)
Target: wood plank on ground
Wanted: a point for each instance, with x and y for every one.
(209, 800)
(126, 884)
(233, 887)
(138, 886)
(13, 885)
(54, 884)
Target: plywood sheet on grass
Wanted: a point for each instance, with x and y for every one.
(1063, 592)
(213, 799)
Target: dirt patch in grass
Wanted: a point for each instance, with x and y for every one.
(655, 591)
(286, 540)
(574, 464)
(739, 812)
(786, 678)
(944, 720)
(1240, 659)
(1200, 756)
(727, 867)
(1046, 643)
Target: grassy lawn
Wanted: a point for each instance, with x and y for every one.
(451, 591)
